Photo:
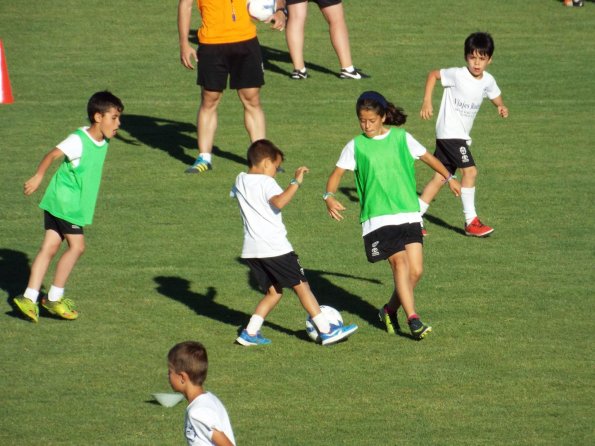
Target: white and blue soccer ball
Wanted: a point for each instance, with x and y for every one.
(261, 9)
(333, 316)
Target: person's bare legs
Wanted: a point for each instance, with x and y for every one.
(339, 34)
(206, 121)
(254, 119)
(268, 302)
(294, 33)
(76, 248)
(49, 247)
(414, 253)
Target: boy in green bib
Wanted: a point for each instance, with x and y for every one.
(69, 203)
(382, 160)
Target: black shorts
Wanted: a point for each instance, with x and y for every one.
(62, 227)
(454, 154)
(388, 240)
(284, 271)
(321, 3)
(240, 61)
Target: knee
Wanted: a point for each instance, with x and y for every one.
(416, 272)
(470, 173)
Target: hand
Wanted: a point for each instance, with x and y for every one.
(299, 173)
(188, 56)
(455, 187)
(333, 206)
(32, 184)
(277, 20)
(426, 110)
(503, 111)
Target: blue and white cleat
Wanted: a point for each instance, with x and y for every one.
(337, 333)
(248, 340)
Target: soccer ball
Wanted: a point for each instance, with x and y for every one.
(333, 316)
(261, 9)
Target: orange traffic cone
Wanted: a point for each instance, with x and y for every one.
(5, 90)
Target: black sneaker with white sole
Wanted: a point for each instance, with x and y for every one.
(353, 74)
(299, 74)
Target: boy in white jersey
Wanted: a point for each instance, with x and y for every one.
(382, 160)
(69, 203)
(206, 421)
(464, 90)
(266, 249)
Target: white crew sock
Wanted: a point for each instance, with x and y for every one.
(55, 293)
(321, 323)
(206, 156)
(255, 324)
(468, 199)
(350, 68)
(31, 294)
(423, 206)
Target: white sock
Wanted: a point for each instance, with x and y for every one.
(468, 199)
(349, 68)
(206, 156)
(423, 206)
(31, 294)
(255, 324)
(55, 293)
(321, 323)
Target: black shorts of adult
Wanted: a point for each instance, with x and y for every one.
(388, 240)
(321, 3)
(283, 271)
(62, 227)
(454, 154)
(240, 61)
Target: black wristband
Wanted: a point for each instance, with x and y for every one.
(284, 10)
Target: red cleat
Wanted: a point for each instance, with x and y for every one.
(477, 229)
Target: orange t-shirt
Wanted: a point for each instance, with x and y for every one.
(225, 21)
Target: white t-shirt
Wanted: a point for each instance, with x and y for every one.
(462, 97)
(264, 232)
(203, 415)
(347, 162)
(72, 146)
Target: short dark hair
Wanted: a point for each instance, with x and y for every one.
(480, 42)
(101, 102)
(190, 357)
(263, 149)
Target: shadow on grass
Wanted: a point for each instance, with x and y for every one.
(172, 137)
(14, 275)
(439, 222)
(270, 55)
(327, 293)
(177, 288)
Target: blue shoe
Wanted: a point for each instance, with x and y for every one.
(199, 166)
(337, 333)
(419, 330)
(247, 340)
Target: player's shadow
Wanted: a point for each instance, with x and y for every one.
(328, 293)
(350, 193)
(173, 137)
(271, 56)
(177, 288)
(14, 274)
(439, 222)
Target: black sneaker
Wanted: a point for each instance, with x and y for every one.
(299, 74)
(418, 329)
(353, 74)
(390, 320)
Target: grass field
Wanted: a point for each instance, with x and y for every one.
(511, 359)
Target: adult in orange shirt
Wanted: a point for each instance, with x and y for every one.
(227, 47)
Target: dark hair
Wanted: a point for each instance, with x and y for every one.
(190, 357)
(263, 149)
(101, 102)
(480, 42)
(374, 101)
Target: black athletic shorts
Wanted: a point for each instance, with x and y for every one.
(388, 240)
(284, 271)
(321, 3)
(62, 227)
(454, 154)
(240, 61)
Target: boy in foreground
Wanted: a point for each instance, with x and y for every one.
(464, 90)
(266, 249)
(206, 421)
(69, 203)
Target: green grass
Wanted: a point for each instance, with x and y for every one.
(511, 358)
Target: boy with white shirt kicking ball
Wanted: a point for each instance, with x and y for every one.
(266, 249)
